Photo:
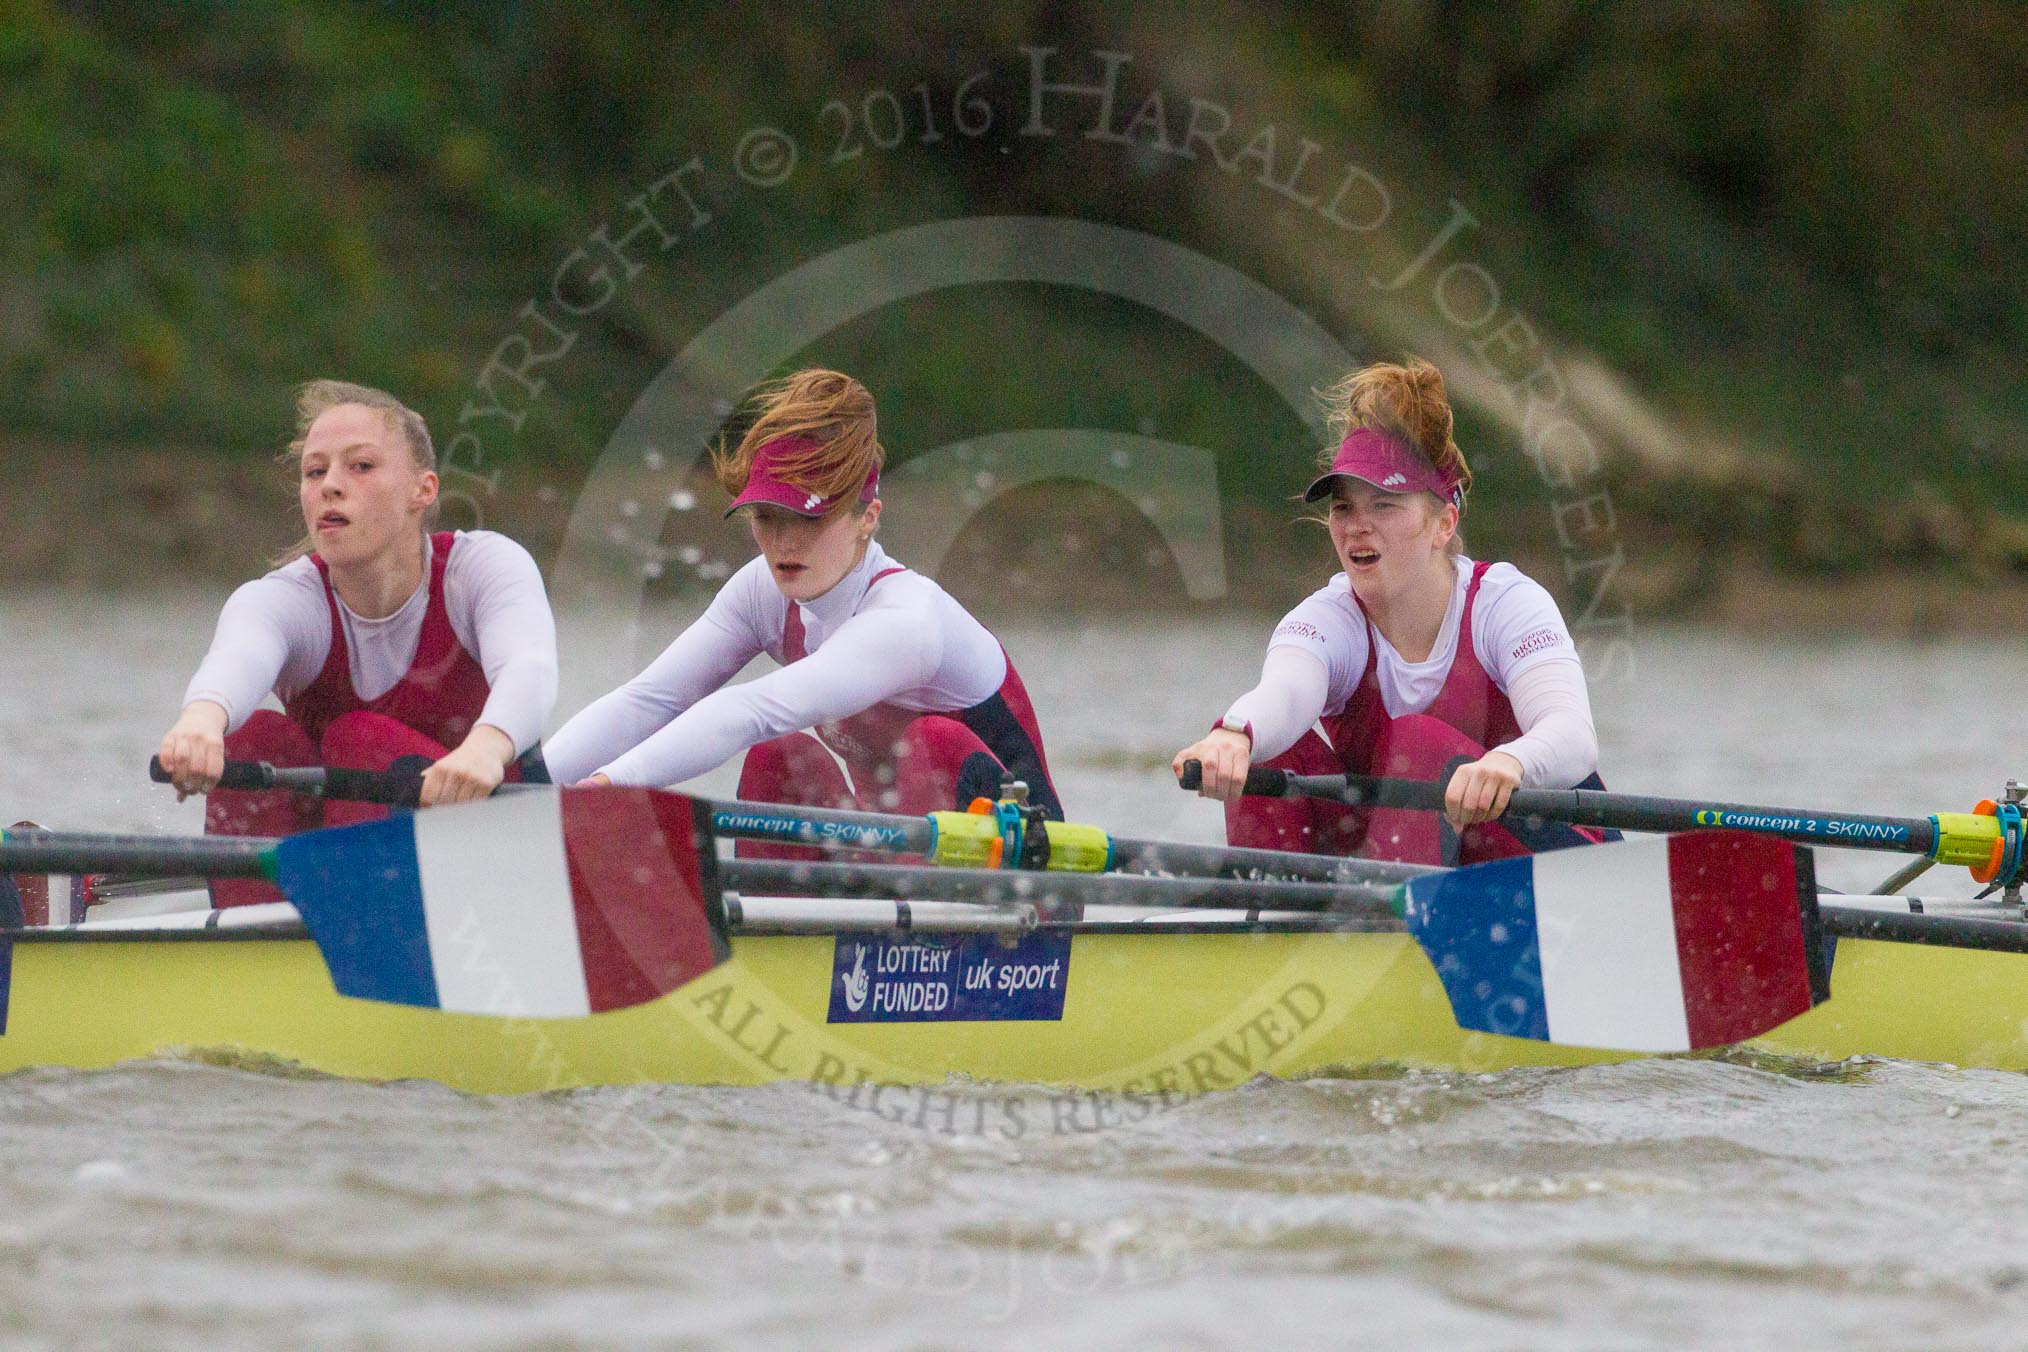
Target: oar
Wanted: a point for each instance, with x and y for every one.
(389, 788)
(261, 856)
(531, 905)
(947, 838)
(1658, 945)
(1054, 895)
(1988, 841)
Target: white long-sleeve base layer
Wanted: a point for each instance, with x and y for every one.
(274, 636)
(903, 641)
(1318, 653)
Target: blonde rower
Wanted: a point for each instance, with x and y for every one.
(381, 639)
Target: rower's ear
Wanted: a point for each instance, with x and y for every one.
(1445, 523)
(425, 497)
(869, 520)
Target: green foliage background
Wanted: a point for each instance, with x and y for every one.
(1795, 235)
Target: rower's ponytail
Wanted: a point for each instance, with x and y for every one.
(826, 407)
(1405, 399)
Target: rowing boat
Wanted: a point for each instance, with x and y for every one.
(1149, 1006)
(1137, 988)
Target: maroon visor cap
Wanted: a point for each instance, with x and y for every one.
(765, 484)
(1390, 465)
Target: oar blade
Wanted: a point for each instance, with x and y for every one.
(1654, 945)
(536, 905)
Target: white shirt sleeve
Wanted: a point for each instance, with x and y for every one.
(700, 660)
(1517, 625)
(1290, 697)
(500, 614)
(1558, 746)
(880, 652)
(1526, 648)
(273, 637)
(1315, 657)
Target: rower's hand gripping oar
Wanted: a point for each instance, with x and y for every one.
(1989, 840)
(526, 905)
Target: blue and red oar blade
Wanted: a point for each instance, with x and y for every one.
(1663, 944)
(530, 905)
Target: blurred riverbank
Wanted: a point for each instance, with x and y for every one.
(145, 518)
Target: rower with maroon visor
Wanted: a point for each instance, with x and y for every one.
(1414, 661)
(878, 664)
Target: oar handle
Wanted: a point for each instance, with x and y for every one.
(391, 788)
(1261, 783)
(1357, 790)
(239, 774)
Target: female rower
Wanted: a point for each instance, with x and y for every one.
(381, 640)
(1413, 659)
(916, 697)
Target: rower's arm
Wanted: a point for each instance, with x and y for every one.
(495, 594)
(272, 637)
(704, 657)
(874, 656)
(1294, 685)
(1558, 745)
(1523, 643)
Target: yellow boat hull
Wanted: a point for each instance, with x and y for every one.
(1151, 1016)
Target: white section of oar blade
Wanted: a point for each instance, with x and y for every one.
(1606, 935)
(496, 894)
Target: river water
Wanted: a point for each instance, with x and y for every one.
(1717, 1203)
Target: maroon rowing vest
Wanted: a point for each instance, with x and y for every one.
(1469, 701)
(440, 696)
(1004, 721)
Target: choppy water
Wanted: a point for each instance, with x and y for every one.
(1703, 1203)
